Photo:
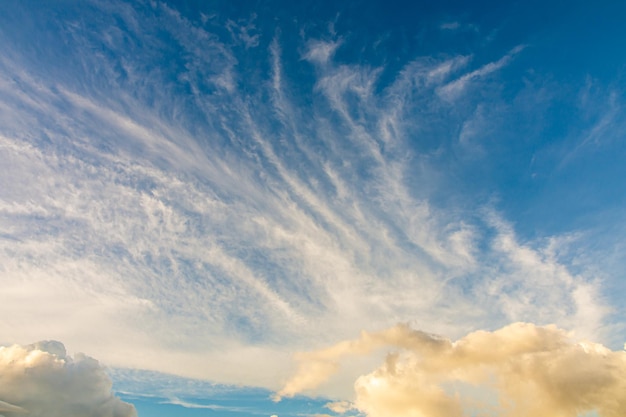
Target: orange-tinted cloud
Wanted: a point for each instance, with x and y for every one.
(516, 371)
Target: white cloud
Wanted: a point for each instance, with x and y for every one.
(189, 404)
(455, 26)
(10, 408)
(340, 407)
(453, 89)
(450, 25)
(204, 231)
(606, 114)
(244, 31)
(320, 52)
(41, 380)
(532, 285)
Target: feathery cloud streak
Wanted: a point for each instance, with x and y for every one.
(205, 219)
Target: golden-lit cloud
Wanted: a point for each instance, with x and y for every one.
(42, 380)
(519, 370)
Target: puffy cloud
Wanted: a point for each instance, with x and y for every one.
(519, 370)
(42, 380)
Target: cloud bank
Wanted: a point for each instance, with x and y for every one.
(519, 370)
(41, 380)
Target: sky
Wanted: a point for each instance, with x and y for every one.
(315, 208)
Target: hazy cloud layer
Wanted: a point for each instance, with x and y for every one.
(41, 380)
(516, 371)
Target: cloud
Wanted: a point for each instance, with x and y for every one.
(450, 26)
(340, 407)
(523, 280)
(455, 26)
(10, 408)
(320, 52)
(206, 219)
(243, 31)
(453, 89)
(41, 380)
(195, 405)
(519, 370)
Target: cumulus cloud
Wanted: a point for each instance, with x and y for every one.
(42, 380)
(519, 370)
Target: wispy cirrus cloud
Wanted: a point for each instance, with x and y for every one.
(211, 225)
(454, 88)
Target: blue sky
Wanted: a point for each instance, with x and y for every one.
(193, 192)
